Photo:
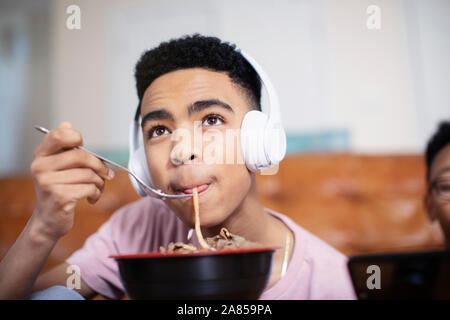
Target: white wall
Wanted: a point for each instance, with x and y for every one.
(387, 87)
(80, 72)
(370, 77)
(331, 71)
(24, 80)
(428, 28)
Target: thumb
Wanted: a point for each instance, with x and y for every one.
(66, 125)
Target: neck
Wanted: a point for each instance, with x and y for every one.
(251, 221)
(248, 220)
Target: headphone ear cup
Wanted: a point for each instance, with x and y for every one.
(274, 143)
(252, 140)
(138, 165)
(263, 143)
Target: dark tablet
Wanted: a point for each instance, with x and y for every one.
(411, 275)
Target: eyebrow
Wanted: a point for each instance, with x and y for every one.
(161, 114)
(197, 106)
(442, 171)
(204, 104)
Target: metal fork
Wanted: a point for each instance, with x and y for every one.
(150, 191)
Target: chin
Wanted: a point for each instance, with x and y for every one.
(212, 223)
(208, 218)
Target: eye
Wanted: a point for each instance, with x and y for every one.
(157, 131)
(212, 120)
(444, 186)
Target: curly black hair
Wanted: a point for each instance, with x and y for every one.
(197, 51)
(437, 142)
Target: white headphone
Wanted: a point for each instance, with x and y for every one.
(263, 140)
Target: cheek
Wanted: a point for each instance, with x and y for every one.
(443, 214)
(234, 182)
(156, 162)
(236, 179)
(222, 146)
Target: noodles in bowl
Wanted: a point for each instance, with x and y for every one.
(224, 267)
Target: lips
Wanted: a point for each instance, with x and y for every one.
(200, 188)
(188, 188)
(186, 184)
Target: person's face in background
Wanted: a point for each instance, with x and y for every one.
(438, 197)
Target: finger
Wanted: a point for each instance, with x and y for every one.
(95, 196)
(68, 193)
(62, 138)
(71, 176)
(71, 159)
(65, 124)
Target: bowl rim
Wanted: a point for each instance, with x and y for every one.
(196, 253)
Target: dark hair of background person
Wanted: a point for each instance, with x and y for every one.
(439, 140)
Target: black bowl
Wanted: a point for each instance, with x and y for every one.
(223, 274)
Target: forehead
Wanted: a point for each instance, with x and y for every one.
(441, 163)
(185, 86)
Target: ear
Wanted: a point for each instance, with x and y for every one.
(429, 207)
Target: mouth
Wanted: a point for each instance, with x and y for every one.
(200, 188)
(188, 189)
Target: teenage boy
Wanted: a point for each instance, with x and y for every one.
(184, 83)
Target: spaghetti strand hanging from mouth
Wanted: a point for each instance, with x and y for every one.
(224, 240)
(198, 231)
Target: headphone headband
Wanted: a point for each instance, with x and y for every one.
(273, 113)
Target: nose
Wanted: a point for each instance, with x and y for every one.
(187, 146)
(178, 161)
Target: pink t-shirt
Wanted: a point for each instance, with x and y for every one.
(315, 271)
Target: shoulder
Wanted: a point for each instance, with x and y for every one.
(322, 266)
(313, 247)
(330, 278)
(316, 248)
